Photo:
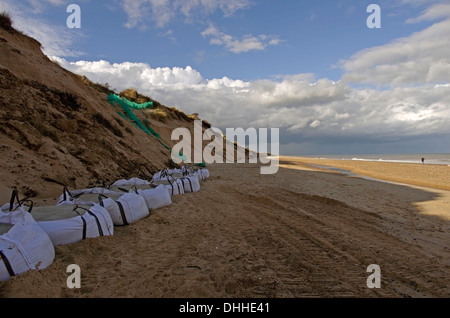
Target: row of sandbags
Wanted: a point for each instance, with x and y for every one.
(28, 234)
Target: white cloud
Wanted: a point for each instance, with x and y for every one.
(228, 7)
(315, 124)
(298, 104)
(417, 3)
(421, 58)
(162, 12)
(441, 10)
(138, 75)
(141, 11)
(38, 6)
(247, 43)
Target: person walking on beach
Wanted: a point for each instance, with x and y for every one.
(423, 160)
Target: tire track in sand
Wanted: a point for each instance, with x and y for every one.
(335, 248)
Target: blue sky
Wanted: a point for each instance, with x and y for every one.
(313, 36)
(311, 68)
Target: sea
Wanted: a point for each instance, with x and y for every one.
(430, 158)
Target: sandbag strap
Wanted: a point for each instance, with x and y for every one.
(172, 185)
(134, 187)
(7, 264)
(111, 184)
(27, 200)
(84, 228)
(14, 197)
(65, 193)
(122, 212)
(119, 204)
(100, 199)
(83, 235)
(190, 183)
(99, 226)
(168, 177)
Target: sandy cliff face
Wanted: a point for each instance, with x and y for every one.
(57, 130)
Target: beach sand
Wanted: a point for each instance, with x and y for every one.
(303, 232)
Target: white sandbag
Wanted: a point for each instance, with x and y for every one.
(157, 176)
(131, 187)
(164, 174)
(190, 184)
(175, 187)
(85, 196)
(93, 198)
(156, 198)
(201, 173)
(204, 173)
(197, 175)
(127, 209)
(24, 245)
(186, 170)
(132, 181)
(161, 175)
(66, 225)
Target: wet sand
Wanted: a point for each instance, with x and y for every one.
(427, 175)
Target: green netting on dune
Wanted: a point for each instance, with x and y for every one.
(154, 133)
(126, 111)
(120, 100)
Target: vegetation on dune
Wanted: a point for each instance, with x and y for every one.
(5, 21)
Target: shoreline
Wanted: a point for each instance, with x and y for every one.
(433, 176)
(404, 175)
(373, 158)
